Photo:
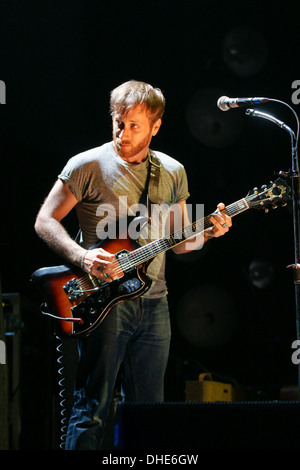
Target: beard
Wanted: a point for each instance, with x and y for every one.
(130, 151)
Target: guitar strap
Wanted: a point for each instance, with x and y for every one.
(152, 185)
(153, 179)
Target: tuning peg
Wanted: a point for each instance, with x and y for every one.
(266, 210)
(275, 206)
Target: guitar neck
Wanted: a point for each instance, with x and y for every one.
(152, 249)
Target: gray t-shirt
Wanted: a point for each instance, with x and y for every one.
(107, 187)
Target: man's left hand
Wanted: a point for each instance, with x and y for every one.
(221, 222)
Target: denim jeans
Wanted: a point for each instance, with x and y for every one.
(134, 338)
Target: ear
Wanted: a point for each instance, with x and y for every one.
(156, 127)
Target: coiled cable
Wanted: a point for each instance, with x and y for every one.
(62, 399)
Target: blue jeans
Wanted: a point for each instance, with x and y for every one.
(134, 338)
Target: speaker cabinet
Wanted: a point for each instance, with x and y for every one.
(12, 328)
(191, 427)
(4, 432)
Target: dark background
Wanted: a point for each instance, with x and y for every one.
(59, 61)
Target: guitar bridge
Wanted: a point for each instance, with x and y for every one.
(74, 289)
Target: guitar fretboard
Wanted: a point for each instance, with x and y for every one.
(144, 253)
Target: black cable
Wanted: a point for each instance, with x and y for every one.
(63, 417)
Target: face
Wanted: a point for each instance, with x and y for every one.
(132, 133)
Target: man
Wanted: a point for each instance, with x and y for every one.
(134, 338)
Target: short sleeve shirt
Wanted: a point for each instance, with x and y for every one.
(108, 189)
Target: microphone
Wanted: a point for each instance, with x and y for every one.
(225, 103)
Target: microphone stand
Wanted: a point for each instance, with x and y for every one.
(294, 174)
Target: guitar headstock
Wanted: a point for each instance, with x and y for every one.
(277, 192)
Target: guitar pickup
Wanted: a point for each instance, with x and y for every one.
(74, 289)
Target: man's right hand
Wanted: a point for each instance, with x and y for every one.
(102, 264)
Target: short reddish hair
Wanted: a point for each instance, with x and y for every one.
(134, 92)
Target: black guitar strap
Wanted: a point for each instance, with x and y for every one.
(153, 179)
(150, 192)
(151, 188)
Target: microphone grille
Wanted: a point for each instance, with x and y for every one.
(221, 103)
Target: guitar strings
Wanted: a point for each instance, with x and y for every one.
(138, 256)
(150, 250)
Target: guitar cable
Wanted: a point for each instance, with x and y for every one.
(70, 319)
(63, 409)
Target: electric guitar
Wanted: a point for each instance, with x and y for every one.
(80, 301)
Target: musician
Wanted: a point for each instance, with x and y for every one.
(134, 338)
